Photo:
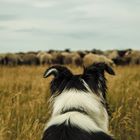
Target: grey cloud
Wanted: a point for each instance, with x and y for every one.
(45, 32)
(69, 23)
(2, 28)
(28, 30)
(5, 17)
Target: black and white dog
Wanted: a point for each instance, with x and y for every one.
(79, 104)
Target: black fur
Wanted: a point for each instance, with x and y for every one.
(60, 72)
(69, 132)
(93, 76)
(64, 79)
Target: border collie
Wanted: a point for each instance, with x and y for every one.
(79, 108)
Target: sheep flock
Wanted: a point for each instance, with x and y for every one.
(67, 57)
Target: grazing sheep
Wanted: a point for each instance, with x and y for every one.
(67, 59)
(30, 59)
(72, 58)
(76, 59)
(93, 58)
(95, 51)
(11, 59)
(45, 58)
(112, 54)
(78, 103)
(118, 57)
(133, 57)
(2, 61)
(81, 53)
(57, 57)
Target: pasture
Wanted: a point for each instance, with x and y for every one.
(24, 108)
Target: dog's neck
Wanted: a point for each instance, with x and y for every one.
(88, 104)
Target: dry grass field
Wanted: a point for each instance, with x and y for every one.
(24, 109)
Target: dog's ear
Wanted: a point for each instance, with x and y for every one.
(95, 78)
(108, 69)
(57, 71)
(100, 68)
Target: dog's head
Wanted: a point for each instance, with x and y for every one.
(91, 80)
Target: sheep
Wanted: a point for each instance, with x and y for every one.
(29, 59)
(11, 59)
(133, 57)
(91, 58)
(44, 58)
(2, 60)
(57, 57)
(71, 58)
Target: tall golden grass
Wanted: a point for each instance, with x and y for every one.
(24, 109)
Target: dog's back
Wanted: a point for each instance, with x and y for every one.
(68, 132)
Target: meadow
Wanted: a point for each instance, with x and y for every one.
(24, 95)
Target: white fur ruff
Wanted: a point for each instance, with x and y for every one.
(96, 120)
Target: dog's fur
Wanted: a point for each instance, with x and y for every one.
(79, 104)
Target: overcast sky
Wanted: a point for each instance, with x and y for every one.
(76, 24)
